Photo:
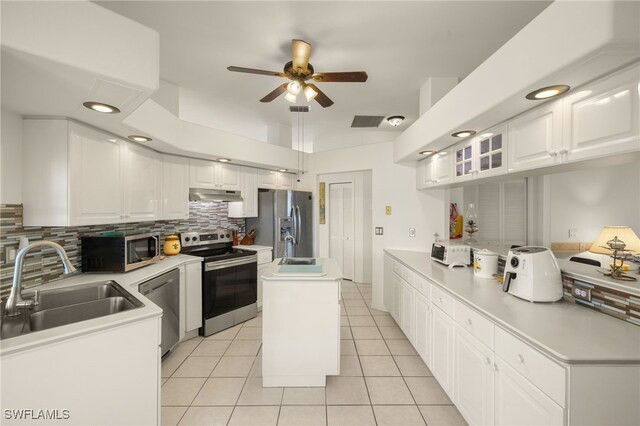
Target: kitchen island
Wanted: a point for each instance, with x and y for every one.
(301, 324)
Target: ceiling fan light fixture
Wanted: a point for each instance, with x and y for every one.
(395, 120)
(547, 92)
(463, 133)
(291, 97)
(293, 87)
(309, 93)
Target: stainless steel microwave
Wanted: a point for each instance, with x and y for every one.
(118, 252)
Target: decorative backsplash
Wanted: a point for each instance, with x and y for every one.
(41, 266)
(611, 302)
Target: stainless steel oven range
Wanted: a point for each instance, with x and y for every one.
(229, 279)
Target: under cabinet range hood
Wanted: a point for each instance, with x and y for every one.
(204, 194)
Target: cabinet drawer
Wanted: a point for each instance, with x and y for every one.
(544, 373)
(442, 300)
(264, 256)
(422, 285)
(403, 272)
(477, 325)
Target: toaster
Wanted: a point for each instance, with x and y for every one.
(532, 273)
(449, 254)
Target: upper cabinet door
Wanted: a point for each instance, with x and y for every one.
(464, 160)
(491, 149)
(228, 177)
(443, 169)
(175, 188)
(535, 138)
(202, 174)
(267, 179)
(425, 173)
(248, 207)
(286, 180)
(95, 177)
(602, 118)
(141, 189)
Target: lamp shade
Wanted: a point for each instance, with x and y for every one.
(624, 234)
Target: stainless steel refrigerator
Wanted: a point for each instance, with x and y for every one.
(282, 212)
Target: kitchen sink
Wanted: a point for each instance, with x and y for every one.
(69, 305)
(297, 261)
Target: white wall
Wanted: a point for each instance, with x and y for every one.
(392, 184)
(587, 200)
(11, 158)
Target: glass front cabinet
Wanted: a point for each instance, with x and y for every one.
(481, 156)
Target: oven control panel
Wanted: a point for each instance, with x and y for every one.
(191, 239)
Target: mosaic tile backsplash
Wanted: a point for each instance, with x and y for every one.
(41, 266)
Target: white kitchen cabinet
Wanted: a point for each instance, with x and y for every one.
(264, 260)
(442, 353)
(407, 317)
(535, 138)
(271, 179)
(602, 118)
(105, 377)
(396, 310)
(388, 282)
(248, 207)
(175, 188)
(473, 378)
(464, 160)
(423, 330)
(435, 170)
(518, 402)
(75, 175)
(193, 296)
(490, 152)
(142, 169)
(214, 175)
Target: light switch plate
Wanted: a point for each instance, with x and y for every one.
(379, 230)
(387, 210)
(412, 232)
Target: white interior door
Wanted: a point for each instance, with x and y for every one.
(341, 227)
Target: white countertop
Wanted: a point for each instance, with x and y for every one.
(128, 280)
(253, 247)
(566, 331)
(330, 269)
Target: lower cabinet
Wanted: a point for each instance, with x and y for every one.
(518, 402)
(193, 296)
(422, 323)
(473, 378)
(408, 311)
(442, 330)
(396, 307)
(261, 269)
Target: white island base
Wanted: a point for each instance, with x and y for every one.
(300, 327)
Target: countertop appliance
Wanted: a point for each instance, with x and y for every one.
(281, 213)
(118, 251)
(447, 253)
(485, 264)
(532, 273)
(229, 279)
(164, 291)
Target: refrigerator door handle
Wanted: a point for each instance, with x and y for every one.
(294, 226)
(298, 224)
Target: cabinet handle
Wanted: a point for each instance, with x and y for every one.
(487, 360)
(563, 151)
(495, 367)
(469, 321)
(440, 300)
(553, 153)
(520, 359)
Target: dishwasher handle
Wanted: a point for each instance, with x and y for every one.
(149, 287)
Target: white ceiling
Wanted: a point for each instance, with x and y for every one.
(399, 44)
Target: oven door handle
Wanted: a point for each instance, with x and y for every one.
(212, 266)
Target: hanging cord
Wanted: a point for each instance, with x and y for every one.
(302, 153)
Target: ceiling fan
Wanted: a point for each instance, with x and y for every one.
(300, 71)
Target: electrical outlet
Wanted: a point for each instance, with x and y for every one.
(379, 230)
(10, 254)
(412, 232)
(580, 292)
(387, 210)
(573, 233)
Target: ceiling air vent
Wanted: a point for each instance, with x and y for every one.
(367, 120)
(296, 108)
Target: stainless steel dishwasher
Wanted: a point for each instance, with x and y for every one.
(164, 291)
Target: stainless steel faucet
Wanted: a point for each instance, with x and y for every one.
(287, 238)
(15, 300)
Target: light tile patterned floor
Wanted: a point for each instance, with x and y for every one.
(217, 380)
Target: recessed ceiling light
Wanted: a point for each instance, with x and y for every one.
(426, 152)
(282, 170)
(486, 135)
(100, 107)
(139, 138)
(395, 120)
(547, 92)
(224, 160)
(463, 133)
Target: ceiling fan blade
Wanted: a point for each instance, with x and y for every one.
(300, 52)
(321, 98)
(255, 71)
(275, 93)
(337, 77)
